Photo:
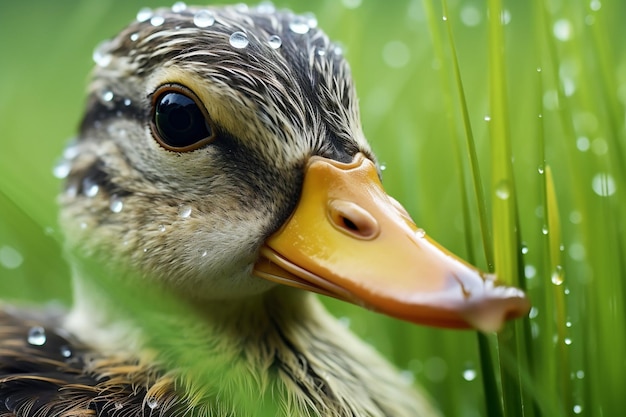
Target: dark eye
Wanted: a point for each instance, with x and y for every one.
(179, 123)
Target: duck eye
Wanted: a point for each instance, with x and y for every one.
(178, 122)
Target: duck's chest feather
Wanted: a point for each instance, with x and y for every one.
(45, 371)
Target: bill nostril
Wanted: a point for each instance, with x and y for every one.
(352, 219)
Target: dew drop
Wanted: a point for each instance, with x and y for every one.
(266, 7)
(239, 40)
(580, 374)
(66, 352)
(595, 5)
(469, 374)
(101, 55)
(157, 20)
(351, 4)
(577, 409)
(567, 341)
(544, 230)
(562, 30)
(203, 18)
(530, 271)
(116, 204)
(583, 144)
(311, 20)
(299, 24)
(487, 118)
(575, 217)
(37, 336)
(471, 16)
(568, 324)
(184, 211)
(524, 249)
(540, 169)
(144, 14)
(321, 52)
(179, 6)
(275, 42)
(505, 18)
(577, 251)
(161, 228)
(557, 275)
(603, 184)
(444, 18)
(10, 258)
(420, 233)
(502, 190)
(396, 54)
(152, 403)
(62, 169)
(533, 313)
(383, 167)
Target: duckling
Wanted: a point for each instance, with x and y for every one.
(221, 161)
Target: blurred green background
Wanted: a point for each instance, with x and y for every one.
(566, 71)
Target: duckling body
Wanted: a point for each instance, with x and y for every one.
(220, 156)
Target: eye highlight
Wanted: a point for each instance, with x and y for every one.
(180, 122)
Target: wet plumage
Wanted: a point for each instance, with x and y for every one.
(190, 216)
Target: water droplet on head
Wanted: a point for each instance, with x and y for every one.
(134, 36)
(241, 7)
(37, 336)
(203, 18)
(90, 188)
(184, 211)
(152, 403)
(127, 102)
(10, 258)
(107, 95)
(321, 52)
(66, 352)
(239, 40)
(266, 7)
(62, 169)
(118, 406)
(420, 233)
(144, 14)
(101, 54)
(603, 184)
(116, 204)
(299, 24)
(203, 253)
(161, 228)
(275, 42)
(469, 374)
(157, 20)
(179, 6)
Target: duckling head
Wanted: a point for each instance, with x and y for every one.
(221, 154)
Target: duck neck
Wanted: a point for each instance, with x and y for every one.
(281, 341)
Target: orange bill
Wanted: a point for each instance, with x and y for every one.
(348, 239)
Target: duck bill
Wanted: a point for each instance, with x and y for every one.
(349, 240)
